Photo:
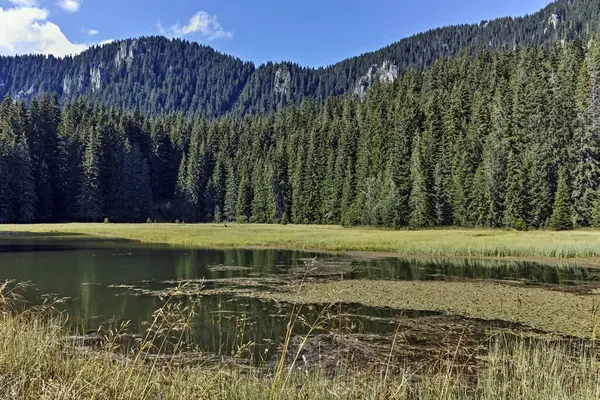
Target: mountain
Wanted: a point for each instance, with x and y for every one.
(157, 75)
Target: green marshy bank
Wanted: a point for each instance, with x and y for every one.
(582, 246)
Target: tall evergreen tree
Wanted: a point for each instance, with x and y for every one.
(562, 216)
(90, 198)
(422, 211)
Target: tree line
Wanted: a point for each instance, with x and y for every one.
(508, 139)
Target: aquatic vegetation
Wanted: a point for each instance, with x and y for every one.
(555, 311)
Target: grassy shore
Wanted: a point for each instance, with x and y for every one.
(575, 246)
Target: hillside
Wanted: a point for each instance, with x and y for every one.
(507, 139)
(157, 75)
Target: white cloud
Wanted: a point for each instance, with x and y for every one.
(24, 3)
(93, 32)
(202, 22)
(70, 5)
(27, 30)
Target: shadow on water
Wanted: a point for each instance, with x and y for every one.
(440, 269)
(26, 234)
(14, 242)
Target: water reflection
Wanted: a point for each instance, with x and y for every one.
(436, 269)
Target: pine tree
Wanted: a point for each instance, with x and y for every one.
(90, 198)
(281, 184)
(443, 209)
(539, 157)
(244, 200)
(193, 187)
(562, 216)
(6, 215)
(422, 211)
(372, 212)
(516, 205)
(479, 205)
(181, 200)
(586, 149)
(596, 211)
(495, 156)
(23, 182)
(231, 196)
(515, 200)
(135, 194)
(70, 153)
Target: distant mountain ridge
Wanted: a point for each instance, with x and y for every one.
(157, 75)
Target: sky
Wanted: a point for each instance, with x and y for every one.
(310, 32)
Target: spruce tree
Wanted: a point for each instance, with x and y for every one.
(231, 196)
(6, 214)
(562, 215)
(596, 211)
(515, 200)
(90, 198)
(243, 207)
(586, 149)
(422, 212)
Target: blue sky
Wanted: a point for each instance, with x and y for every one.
(310, 32)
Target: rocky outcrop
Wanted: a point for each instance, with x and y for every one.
(74, 85)
(283, 81)
(553, 21)
(127, 52)
(386, 74)
(97, 78)
(24, 94)
(80, 84)
(67, 85)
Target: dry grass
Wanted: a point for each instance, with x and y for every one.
(38, 361)
(582, 246)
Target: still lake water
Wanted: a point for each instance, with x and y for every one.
(97, 278)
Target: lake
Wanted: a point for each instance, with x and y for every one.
(106, 283)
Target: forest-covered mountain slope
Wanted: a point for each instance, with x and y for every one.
(157, 75)
(505, 139)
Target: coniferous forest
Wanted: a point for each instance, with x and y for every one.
(503, 139)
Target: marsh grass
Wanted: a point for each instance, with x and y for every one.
(582, 245)
(38, 362)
